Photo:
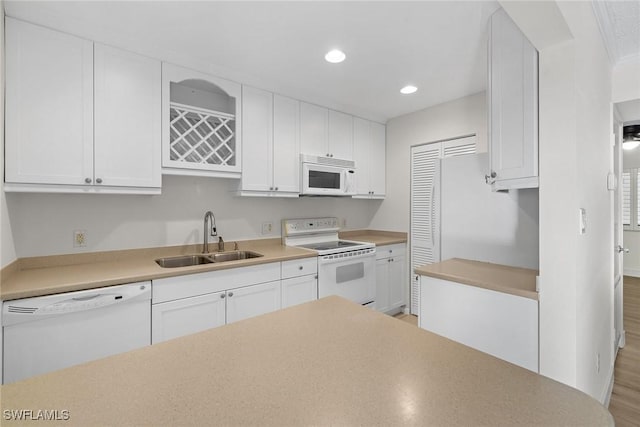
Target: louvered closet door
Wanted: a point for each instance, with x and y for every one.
(425, 240)
(425, 203)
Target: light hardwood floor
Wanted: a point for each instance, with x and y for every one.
(625, 399)
(409, 318)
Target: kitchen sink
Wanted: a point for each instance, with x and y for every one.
(234, 256)
(184, 261)
(190, 260)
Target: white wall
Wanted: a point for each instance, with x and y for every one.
(460, 117)
(7, 251)
(576, 298)
(626, 83)
(43, 224)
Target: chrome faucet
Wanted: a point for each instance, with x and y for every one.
(220, 244)
(209, 220)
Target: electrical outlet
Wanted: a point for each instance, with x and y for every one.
(267, 227)
(79, 238)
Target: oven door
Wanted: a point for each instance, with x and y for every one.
(353, 278)
(323, 180)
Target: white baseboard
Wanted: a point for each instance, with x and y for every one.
(633, 272)
(606, 396)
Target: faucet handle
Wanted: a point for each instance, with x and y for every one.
(235, 246)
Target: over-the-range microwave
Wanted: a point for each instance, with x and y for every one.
(326, 176)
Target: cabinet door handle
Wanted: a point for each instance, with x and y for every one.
(276, 188)
(315, 277)
(87, 180)
(490, 179)
(99, 180)
(222, 295)
(300, 268)
(230, 294)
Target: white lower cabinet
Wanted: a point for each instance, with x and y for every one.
(192, 303)
(250, 301)
(391, 279)
(299, 281)
(187, 316)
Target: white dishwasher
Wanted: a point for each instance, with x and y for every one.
(43, 334)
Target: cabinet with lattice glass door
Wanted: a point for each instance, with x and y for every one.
(201, 124)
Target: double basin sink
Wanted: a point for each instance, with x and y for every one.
(191, 260)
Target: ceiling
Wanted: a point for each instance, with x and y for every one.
(438, 46)
(620, 27)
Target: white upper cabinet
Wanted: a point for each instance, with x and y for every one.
(257, 126)
(314, 130)
(79, 120)
(201, 124)
(325, 132)
(286, 145)
(127, 118)
(369, 151)
(270, 144)
(49, 106)
(513, 106)
(340, 135)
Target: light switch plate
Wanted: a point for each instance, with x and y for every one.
(583, 220)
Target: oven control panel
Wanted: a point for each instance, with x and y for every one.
(292, 227)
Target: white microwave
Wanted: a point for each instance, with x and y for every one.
(326, 176)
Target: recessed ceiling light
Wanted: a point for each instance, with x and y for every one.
(630, 144)
(408, 89)
(334, 56)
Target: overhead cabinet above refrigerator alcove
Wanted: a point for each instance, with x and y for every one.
(200, 124)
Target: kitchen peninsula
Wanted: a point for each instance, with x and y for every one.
(322, 363)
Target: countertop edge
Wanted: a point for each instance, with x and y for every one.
(466, 280)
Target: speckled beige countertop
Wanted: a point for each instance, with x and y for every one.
(328, 362)
(378, 237)
(64, 273)
(501, 278)
(31, 277)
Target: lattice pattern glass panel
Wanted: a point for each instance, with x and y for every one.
(202, 136)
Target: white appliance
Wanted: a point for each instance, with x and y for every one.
(326, 176)
(346, 268)
(43, 334)
(465, 219)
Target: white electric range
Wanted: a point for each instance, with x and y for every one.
(346, 268)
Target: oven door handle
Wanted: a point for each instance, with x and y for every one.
(346, 260)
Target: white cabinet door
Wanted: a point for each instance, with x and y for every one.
(382, 285)
(298, 290)
(186, 316)
(251, 301)
(257, 122)
(377, 160)
(49, 106)
(513, 101)
(340, 135)
(127, 119)
(314, 129)
(369, 153)
(286, 144)
(391, 279)
(361, 147)
(398, 282)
